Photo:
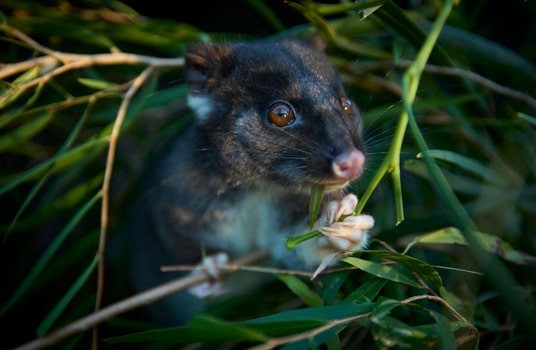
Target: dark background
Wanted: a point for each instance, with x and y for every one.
(517, 18)
(511, 24)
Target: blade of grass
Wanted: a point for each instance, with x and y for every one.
(58, 163)
(317, 193)
(24, 132)
(268, 14)
(48, 254)
(303, 291)
(41, 182)
(468, 164)
(496, 272)
(49, 320)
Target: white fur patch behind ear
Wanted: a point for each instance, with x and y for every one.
(201, 105)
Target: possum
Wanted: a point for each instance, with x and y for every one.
(272, 119)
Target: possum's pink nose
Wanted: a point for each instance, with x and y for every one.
(348, 165)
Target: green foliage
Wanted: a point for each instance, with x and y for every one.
(451, 181)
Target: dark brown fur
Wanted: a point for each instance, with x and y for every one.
(234, 178)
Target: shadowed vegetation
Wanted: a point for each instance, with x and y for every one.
(90, 89)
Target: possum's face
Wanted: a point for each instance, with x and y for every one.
(276, 112)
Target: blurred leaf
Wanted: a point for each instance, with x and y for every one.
(389, 332)
(123, 8)
(41, 182)
(268, 14)
(460, 183)
(331, 285)
(48, 254)
(443, 329)
(466, 163)
(389, 272)
(302, 290)
(24, 132)
(319, 314)
(98, 84)
(14, 91)
(317, 194)
(334, 9)
(202, 328)
(49, 320)
(367, 292)
(81, 32)
(292, 242)
(77, 254)
(527, 199)
(328, 338)
(67, 199)
(423, 269)
(394, 17)
(527, 118)
(492, 244)
(56, 163)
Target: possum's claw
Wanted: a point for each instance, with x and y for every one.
(346, 235)
(214, 287)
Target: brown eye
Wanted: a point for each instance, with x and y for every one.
(346, 105)
(281, 114)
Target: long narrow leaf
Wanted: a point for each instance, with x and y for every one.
(41, 182)
(47, 255)
(58, 163)
(49, 320)
(317, 194)
(466, 163)
(24, 132)
(389, 272)
(299, 288)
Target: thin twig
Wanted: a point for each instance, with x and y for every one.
(272, 343)
(445, 304)
(234, 267)
(114, 137)
(76, 61)
(131, 303)
(29, 41)
(453, 72)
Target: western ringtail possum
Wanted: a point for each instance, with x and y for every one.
(272, 120)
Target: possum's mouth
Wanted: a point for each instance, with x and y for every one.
(333, 185)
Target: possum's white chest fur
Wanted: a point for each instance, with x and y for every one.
(252, 223)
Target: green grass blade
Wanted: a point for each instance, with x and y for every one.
(496, 272)
(47, 255)
(24, 132)
(41, 182)
(466, 163)
(268, 14)
(367, 292)
(49, 320)
(202, 328)
(302, 290)
(55, 164)
(389, 272)
(317, 194)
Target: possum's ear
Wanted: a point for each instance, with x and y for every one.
(201, 65)
(197, 67)
(202, 72)
(316, 42)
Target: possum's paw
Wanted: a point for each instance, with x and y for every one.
(214, 287)
(347, 235)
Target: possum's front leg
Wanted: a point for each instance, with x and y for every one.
(346, 235)
(341, 232)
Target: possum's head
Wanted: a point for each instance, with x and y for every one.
(275, 112)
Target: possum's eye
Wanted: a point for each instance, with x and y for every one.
(281, 114)
(346, 105)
